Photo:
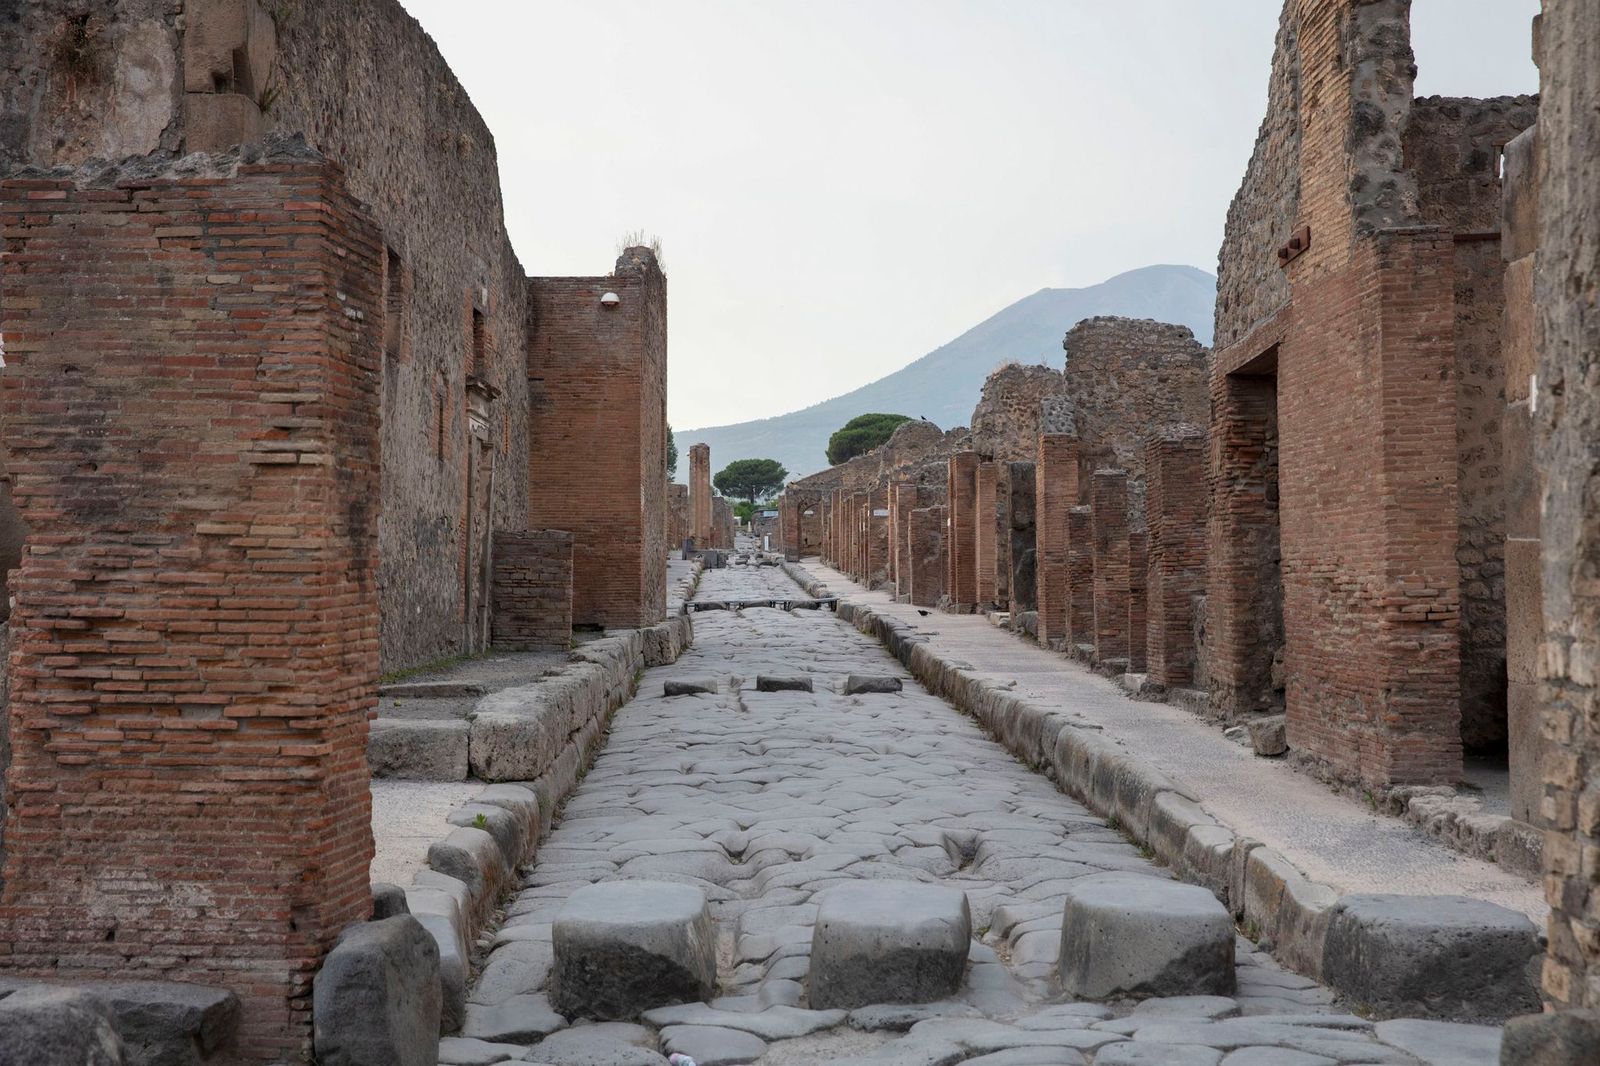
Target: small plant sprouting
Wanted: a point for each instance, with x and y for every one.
(480, 822)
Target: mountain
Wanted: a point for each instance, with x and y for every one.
(943, 386)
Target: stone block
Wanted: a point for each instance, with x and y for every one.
(1434, 956)
(623, 947)
(376, 1000)
(507, 828)
(1559, 1039)
(888, 942)
(1267, 735)
(1524, 611)
(387, 901)
(772, 683)
(690, 687)
(1126, 935)
(439, 913)
(215, 122)
(418, 749)
(1525, 744)
(473, 857)
(1519, 336)
(58, 1027)
(522, 802)
(1519, 205)
(856, 684)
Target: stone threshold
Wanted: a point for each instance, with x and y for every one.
(1305, 924)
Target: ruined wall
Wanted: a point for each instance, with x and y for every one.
(196, 641)
(1127, 377)
(597, 375)
(146, 75)
(677, 516)
(1567, 423)
(1005, 424)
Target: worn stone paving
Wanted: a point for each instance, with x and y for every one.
(764, 800)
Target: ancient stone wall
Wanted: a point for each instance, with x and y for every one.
(1005, 424)
(1175, 469)
(597, 379)
(532, 590)
(677, 516)
(1567, 422)
(1022, 515)
(196, 638)
(700, 494)
(109, 80)
(927, 536)
(1126, 378)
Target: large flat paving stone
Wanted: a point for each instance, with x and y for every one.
(1127, 935)
(1439, 956)
(625, 947)
(888, 942)
(712, 1045)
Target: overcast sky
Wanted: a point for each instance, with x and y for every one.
(840, 186)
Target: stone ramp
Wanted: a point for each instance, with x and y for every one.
(764, 802)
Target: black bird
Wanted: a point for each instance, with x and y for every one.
(923, 613)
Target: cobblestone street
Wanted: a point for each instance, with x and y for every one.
(767, 801)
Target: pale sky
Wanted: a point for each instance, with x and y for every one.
(841, 186)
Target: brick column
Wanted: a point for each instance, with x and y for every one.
(928, 562)
(985, 481)
(700, 494)
(1055, 493)
(597, 430)
(961, 580)
(1175, 465)
(902, 501)
(1108, 496)
(1022, 555)
(1138, 558)
(1002, 536)
(678, 516)
(195, 640)
(532, 594)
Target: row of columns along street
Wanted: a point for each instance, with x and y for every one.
(771, 802)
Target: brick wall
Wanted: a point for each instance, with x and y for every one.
(597, 388)
(1138, 606)
(700, 495)
(532, 590)
(1108, 493)
(961, 580)
(677, 516)
(1055, 493)
(928, 562)
(723, 523)
(1175, 469)
(1078, 625)
(195, 651)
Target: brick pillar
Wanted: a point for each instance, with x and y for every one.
(1055, 493)
(985, 481)
(597, 431)
(532, 594)
(1002, 536)
(928, 562)
(1138, 556)
(877, 535)
(195, 640)
(902, 501)
(961, 580)
(1078, 582)
(1108, 499)
(700, 494)
(678, 512)
(1175, 465)
(1022, 554)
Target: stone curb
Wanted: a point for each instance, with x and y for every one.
(1287, 912)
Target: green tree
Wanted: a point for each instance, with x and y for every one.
(860, 435)
(672, 454)
(749, 479)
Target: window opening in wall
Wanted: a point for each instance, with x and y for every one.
(480, 357)
(393, 305)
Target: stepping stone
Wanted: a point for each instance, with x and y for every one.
(603, 1044)
(888, 942)
(765, 683)
(855, 684)
(711, 1045)
(698, 686)
(465, 1051)
(1444, 1043)
(1123, 935)
(624, 947)
(1439, 956)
